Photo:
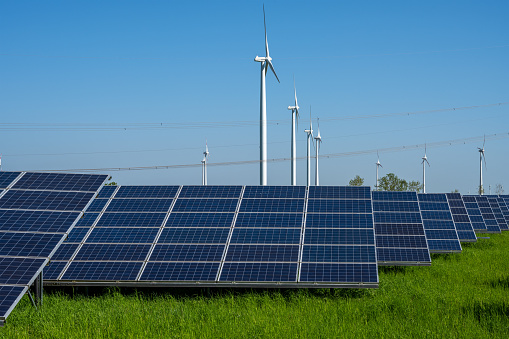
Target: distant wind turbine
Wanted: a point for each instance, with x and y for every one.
(295, 116)
(481, 156)
(318, 139)
(424, 162)
(204, 165)
(310, 136)
(265, 61)
(378, 164)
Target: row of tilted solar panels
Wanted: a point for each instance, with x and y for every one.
(281, 236)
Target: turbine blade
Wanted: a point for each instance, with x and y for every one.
(265, 27)
(484, 142)
(273, 71)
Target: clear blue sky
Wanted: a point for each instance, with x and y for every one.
(69, 70)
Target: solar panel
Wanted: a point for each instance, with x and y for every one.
(106, 192)
(461, 219)
(474, 213)
(399, 229)
(497, 212)
(219, 235)
(37, 210)
(503, 208)
(487, 214)
(438, 223)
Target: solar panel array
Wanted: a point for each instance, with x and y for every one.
(487, 214)
(461, 219)
(37, 210)
(438, 223)
(400, 236)
(474, 213)
(223, 236)
(503, 201)
(493, 200)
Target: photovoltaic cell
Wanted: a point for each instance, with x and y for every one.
(106, 192)
(275, 192)
(8, 297)
(339, 192)
(97, 205)
(346, 273)
(122, 235)
(19, 271)
(36, 221)
(65, 251)
(54, 269)
(265, 236)
(187, 253)
(272, 220)
(259, 272)
(107, 271)
(400, 237)
(6, 178)
(272, 205)
(353, 254)
(180, 271)
(77, 234)
(487, 214)
(345, 220)
(28, 244)
(131, 220)
(200, 220)
(339, 206)
(497, 211)
(328, 236)
(262, 253)
(60, 182)
(147, 192)
(205, 205)
(210, 192)
(45, 200)
(461, 219)
(87, 220)
(114, 252)
(194, 235)
(474, 213)
(139, 205)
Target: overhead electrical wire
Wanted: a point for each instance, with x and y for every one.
(23, 126)
(324, 156)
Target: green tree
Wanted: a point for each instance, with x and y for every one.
(357, 181)
(499, 189)
(391, 182)
(455, 191)
(111, 183)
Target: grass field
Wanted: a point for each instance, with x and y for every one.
(460, 296)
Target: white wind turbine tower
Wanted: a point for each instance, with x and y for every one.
(318, 139)
(424, 162)
(295, 116)
(310, 136)
(204, 165)
(481, 156)
(265, 61)
(378, 164)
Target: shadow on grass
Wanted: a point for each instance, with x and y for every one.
(392, 269)
(489, 314)
(445, 256)
(499, 283)
(209, 293)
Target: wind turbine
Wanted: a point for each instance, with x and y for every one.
(204, 165)
(310, 136)
(295, 116)
(265, 61)
(318, 139)
(481, 156)
(424, 161)
(378, 164)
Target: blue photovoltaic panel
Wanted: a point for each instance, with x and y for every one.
(60, 182)
(205, 205)
(77, 235)
(200, 220)
(394, 196)
(339, 206)
(474, 213)
(97, 205)
(6, 178)
(115, 252)
(504, 209)
(333, 236)
(210, 192)
(339, 192)
(139, 205)
(346, 273)
(461, 219)
(126, 271)
(131, 220)
(106, 192)
(122, 235)
(275, 192)
(87, 220)
(65, 251)
(272, 220)
(194, 235)
(8, 297)
(487, 214)
(147, 192)
(400, 236)
(265, 253)
(272, 205)
(316, 220)
(45, 200)
(28, 244)
(187, 253)
(259, 272)
(36, 221)
(265, 236)
(438, 223)
(497, 211)
(314, 253)
(19, 271)
(180, 271)
(54, 269)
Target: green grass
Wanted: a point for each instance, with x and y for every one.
(460, 296)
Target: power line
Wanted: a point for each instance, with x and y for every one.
(88, 127)
(324, 156)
